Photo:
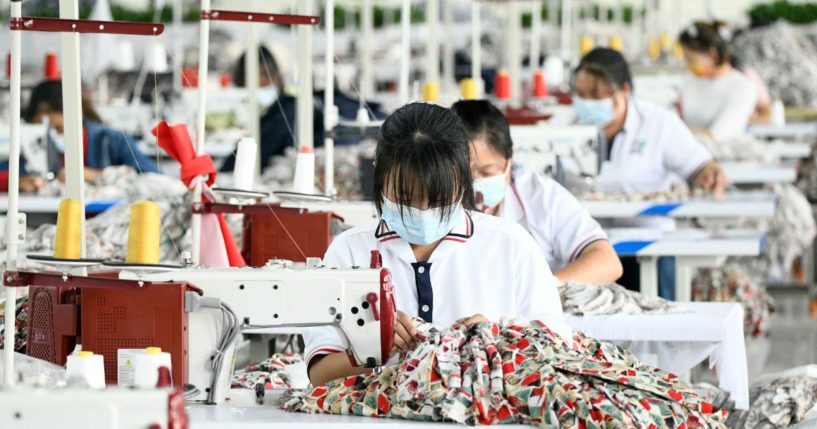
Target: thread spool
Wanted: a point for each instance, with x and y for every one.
(666, 42)
(585, 45)
(616, 43)
(245, 158)
(304, 171)
(226, 80)
(502, 85)
(69, 229)
(540, 86)
(87, 366)
(469, 89)
(146, 367)
(52, 67)
(144, 233)
(156, 58)
(654, 49)
(778, 113)
(677, 50)
(124, 60)
(431, 92)
(554, 70)
(362, 116)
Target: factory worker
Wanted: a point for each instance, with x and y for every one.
(448, 263)
(717, 101)
(278, 110)
(103, 146)
(646, 146)
(574, 244)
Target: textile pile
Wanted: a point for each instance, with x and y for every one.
(785, 57)
(593, 300)
(515, 372)
(731, 283)
(271, 373)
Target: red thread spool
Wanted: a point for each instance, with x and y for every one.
(226, 80)
(52, 67)
(540, 86)
(502, 86)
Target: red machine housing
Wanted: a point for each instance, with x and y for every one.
(53, 322)
(272, 232)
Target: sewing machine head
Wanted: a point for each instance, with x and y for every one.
(33, 145)
(551, 149)
(359, 303)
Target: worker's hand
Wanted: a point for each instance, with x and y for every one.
(473, 320)
(91, 174)
(711, 178)
(404, 333)
(31, 184)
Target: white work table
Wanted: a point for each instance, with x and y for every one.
(753, 173)
(243, 412)
(795, 130)
(692, 249)
(790, 150)
(679, 342)
(735, 204)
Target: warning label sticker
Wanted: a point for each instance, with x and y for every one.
(126, 364)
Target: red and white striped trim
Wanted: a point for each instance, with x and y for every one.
(580, 248)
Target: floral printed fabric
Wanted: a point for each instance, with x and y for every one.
(271, 372)
(731, 283)
(592, 300)
(21, 326)
(515, 372)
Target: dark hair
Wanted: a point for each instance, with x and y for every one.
(423, 151)
(703, 36)
(608, 65)
(483, 120)
(266, 65)
(49, 93)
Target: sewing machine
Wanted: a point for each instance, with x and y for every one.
(33, 146)
(357, 302)
(553, 150)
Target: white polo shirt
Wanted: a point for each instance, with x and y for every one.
(485, 265)
(552, 215)
(653, 146)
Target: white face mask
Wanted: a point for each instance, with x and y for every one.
(490, 191)
(594, 112)
(420, 226)
(266, 96)
(58, 140)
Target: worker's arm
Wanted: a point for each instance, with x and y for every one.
(598, 264)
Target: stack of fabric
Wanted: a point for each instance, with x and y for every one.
(515, 372)
(730, 283)
(584, 299)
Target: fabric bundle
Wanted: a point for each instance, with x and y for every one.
(271, 373)
(730, 283)
(21, 326)
(515, 372)
(583, 299)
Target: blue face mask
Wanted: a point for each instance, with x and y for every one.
(594, 112)
(266, 96)
(420, 226)
(57, 140)
(490, 191)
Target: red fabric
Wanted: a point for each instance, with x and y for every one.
(175, 140)
(4, 181)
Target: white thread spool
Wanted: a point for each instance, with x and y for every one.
(304, 171)
(778, 114)
(146, 367)
(245, 159)
(124, 60)
(554, 71)
(88, 367)
(156, 58)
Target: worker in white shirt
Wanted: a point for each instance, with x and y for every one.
(574, 244)
(448, 263)
(646, 145)
(717, 101)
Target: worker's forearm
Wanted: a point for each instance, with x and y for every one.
(331, 367)
(597, 264)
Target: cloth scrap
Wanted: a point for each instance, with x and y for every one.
(584, 299)
(270, 372)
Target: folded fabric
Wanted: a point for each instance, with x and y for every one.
(583, 299)
(515, 372)
(271, 372)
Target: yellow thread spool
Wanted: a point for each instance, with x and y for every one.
(666, 42)
(468, 89)
(431, 92)
(654, 49)
(616, 43)
(69, 228)
(144, 233)
(677, 50)
(585, 45)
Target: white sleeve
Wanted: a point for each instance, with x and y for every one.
(683, 153)
(537, 290)
(734, 117)
(571, 226)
